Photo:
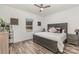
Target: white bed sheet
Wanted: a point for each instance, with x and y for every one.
(59, 37)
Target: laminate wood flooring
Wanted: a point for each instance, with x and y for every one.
(29, 47)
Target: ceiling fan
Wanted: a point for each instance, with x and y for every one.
(42, 6)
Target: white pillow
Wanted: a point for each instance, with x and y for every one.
(63, 31)
(52, 30)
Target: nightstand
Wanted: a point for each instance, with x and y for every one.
(73, 39)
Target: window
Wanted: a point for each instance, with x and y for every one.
(29, 25)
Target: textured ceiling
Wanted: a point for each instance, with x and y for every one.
(53, 9)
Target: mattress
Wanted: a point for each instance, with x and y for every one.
(59, 37)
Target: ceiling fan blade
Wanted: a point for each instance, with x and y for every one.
(47, 6)
(37, 5)
(41, 5)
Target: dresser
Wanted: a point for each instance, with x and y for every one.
(73, 39)
(4, 43)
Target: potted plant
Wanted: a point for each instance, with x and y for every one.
(7, 27)
(4, 26)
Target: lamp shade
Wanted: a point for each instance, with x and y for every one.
(76, 30)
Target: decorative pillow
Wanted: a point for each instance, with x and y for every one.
(63, 30)
(52, 30)
(59, 30)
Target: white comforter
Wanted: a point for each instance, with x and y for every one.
(59, 37)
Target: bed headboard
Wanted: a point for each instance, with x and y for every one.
(60, 25)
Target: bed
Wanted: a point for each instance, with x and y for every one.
(52, 41)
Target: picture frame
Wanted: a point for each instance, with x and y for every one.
(14, 21)
(39, 23)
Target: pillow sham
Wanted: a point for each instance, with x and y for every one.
(63, 30)
(59, 30)
(52, 29)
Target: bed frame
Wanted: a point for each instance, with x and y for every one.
(50, 44)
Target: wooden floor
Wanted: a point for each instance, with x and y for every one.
(29, 47)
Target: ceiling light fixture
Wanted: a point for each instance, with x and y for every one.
(42, 6)
(41, 9)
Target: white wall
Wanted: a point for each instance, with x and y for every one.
(20, 33)
(70, 16)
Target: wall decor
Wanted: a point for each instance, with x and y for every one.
(39, 23)
(14, 21)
